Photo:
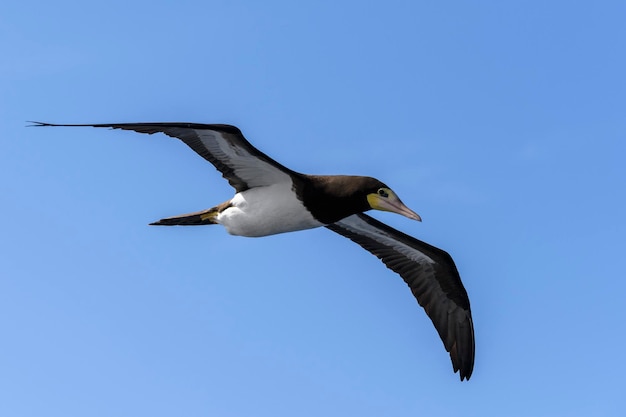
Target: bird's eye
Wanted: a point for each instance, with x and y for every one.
(383, 193)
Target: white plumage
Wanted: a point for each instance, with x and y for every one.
(268, 210)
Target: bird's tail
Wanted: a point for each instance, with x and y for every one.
(198, 218)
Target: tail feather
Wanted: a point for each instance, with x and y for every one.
(198, 218)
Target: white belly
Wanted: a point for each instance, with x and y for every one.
(263, 211)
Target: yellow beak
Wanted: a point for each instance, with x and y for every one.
(393, 204)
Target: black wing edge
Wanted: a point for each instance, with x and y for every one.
(459, 342)
(147, 127)
(192, 141)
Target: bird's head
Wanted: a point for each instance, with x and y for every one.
(381, 197)
(334, 197)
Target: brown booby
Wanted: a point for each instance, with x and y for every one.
(271, 198)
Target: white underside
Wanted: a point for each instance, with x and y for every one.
(263, 211)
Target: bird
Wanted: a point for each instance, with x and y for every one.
(271, 198)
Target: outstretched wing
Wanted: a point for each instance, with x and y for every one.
(432, 277)
(224, 146)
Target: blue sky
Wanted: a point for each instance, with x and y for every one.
(501, 123)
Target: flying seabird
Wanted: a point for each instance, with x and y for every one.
(271, 199)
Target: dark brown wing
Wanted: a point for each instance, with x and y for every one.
(224, 146)
(432, 277)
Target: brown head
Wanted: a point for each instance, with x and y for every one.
(331, 198)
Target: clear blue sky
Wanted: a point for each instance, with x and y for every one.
(502, 123)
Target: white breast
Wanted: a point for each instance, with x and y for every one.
(263, 211)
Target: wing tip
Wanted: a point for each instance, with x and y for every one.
(465, 377)
(42, 124)
(225, 128)
(38, 124)
(465, 371)
(462, 357)
(461, 346)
